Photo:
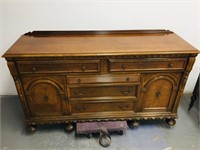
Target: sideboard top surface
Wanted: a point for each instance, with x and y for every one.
(98, 43)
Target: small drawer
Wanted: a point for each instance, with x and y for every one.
(146, 64)
(103, 91)
(61, 66)
(128, 78)
(101, 107)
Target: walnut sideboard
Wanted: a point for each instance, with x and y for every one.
(76, 76)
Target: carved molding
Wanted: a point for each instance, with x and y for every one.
(44, 80)
(41, 122)
(107, 57)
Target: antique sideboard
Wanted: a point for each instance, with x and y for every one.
(77, 76)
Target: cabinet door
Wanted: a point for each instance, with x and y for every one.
(45, 97)
(159, 92)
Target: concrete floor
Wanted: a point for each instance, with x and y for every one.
(151, 135)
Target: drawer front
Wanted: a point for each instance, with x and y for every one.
(103, 91)
(104, 78)
(146, 64)
(70, 66)
(101, 107)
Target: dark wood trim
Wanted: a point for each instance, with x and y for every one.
(97, 32)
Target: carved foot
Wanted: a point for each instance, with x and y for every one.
(170, 122)
(134, 124)
(69, 127)
(31, 128)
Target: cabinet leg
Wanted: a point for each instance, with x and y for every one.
(193, 98)
(133, 124)
(31, 128)
(69, 127)
(170, 122)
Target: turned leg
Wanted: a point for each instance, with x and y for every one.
(170, 122)
(31, 128)
(134, 124)
(69, 127)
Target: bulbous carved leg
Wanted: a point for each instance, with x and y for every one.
(134, 124)
(170, 122)
(31, 128)
(69, 127)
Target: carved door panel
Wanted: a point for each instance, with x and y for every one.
(45, 98)
(159, 92)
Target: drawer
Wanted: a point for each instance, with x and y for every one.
(146, 64)
(54, 66)
(104, 78)
(101, 107)
(98, 91)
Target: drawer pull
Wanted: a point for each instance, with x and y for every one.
(45, 98)
(34, 69)
(126, 92)
(158, 93)
(83, 68)
(123, 66)
(170, 65)
(79, 80)
(123, 106)
(79, 93)
(80, 108)
(127, 79)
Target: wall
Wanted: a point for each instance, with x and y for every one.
(18, 17)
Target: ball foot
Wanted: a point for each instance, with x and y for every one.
(69, 127)
(170, 122)
(31, 128)
(134, 124)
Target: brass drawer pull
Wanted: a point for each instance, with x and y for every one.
(127, 79)
(124, 106)
(123, 66)
(79, 80)
(80, 108)
(79, 93)
(170, 65)
(126, 92)
(83, 68)
(34, 69)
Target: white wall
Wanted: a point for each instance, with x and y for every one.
(18, 17)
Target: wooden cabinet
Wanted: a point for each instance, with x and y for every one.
(65, 77)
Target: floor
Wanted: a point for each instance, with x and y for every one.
(150, 135)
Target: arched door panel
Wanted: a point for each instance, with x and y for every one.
(45, 98)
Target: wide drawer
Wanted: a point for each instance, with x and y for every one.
(147, 64)
(98, 91)
(61, 66)
(101, 107)
(127, 78)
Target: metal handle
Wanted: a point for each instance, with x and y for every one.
(79, 93)
(34, 69)
(45, 98)
(126, 92)
(83, 68)
(127, 79)
(123, 106)
(123, 66)
(79, 80)
(158, 94)
(170, 65)
(80, 108)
